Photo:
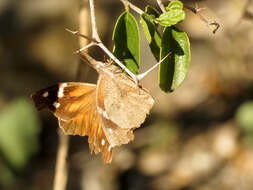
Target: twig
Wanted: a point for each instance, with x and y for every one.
(142, 75)
(93, 22)
(95, 36)
(196, 11)
(159, 2)
(61, 174)
(132, 6)
(104, 48)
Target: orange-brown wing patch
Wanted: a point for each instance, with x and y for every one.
(84, 119)
(73, 98)
(74, 104)
(89, 124)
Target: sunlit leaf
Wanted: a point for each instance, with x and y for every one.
(152, 35)
(154, 13)
(127, 41)
(176, 5)
(174, 14)
(173, 70)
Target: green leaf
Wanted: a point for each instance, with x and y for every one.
(245, 120)
(244, 117)
(173, 70)
(127, 41)
(174, 14)
(18, 133)
(152, 11)
(152, 35)
(175, 5)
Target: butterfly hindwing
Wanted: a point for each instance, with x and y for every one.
(114, 133)
(126, 104)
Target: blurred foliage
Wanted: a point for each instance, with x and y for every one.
(244, 117)
(19, 129)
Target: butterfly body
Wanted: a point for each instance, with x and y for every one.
(107, 112)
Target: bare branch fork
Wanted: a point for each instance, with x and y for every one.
(196, 11)
(95, 41)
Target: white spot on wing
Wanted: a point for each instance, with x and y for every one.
(109, 147)
(102, 142)
(56, 104)
(101, 111)
(45, 94)
(61, 90)
(110, 130)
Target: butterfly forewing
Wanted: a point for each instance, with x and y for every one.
(74, 104)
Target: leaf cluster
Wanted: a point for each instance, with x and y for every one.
(173, 41)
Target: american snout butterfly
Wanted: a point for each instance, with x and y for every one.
(107, 112)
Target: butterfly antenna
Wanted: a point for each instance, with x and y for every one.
(142, 75)
(88, 59)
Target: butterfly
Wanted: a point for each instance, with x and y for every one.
(106, 112)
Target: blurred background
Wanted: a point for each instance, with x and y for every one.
(199, 137)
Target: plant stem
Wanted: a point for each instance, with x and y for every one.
(61, 172)
(159, 2)
(102, 46)
(132, 6)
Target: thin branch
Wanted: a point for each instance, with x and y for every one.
(102, 46)
(84, 48)
(61, 174)
(196, 11)
(93, 22)
(105, 49)
(132, 6)
(81, 35)
(159, 2)
(142, 75)
(122, 66)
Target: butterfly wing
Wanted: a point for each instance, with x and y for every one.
(115, 134)
(74, 104)
(126, 104)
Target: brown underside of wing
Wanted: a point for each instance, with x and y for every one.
(114, 133)
(126, 104)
